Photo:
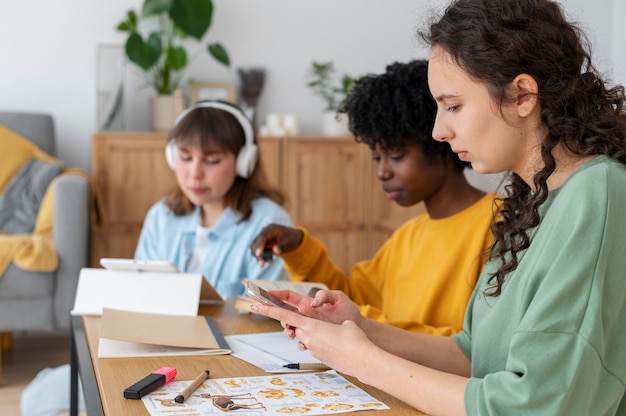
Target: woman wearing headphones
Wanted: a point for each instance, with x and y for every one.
(204, 226)
(222, 201)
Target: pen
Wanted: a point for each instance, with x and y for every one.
(307, 366)
(192, 387)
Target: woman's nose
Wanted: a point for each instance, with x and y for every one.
(383, 172)
(439, 130)
(196, 169)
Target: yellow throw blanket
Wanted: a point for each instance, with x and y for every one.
(33, 252)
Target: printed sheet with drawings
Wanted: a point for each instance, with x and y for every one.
(320, 393)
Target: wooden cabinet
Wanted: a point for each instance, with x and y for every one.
(131, 174)
(324, 182)
(329, 183)
(270, 154)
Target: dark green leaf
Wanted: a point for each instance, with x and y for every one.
(152, 7)
(143, 54)
(192, 16)
(218, 52)
(176, 58)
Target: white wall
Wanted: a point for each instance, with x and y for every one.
(48, 51)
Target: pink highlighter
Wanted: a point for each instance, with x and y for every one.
(150, 382)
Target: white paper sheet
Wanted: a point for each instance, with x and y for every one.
(269, 351)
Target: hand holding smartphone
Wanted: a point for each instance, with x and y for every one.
(264, 297)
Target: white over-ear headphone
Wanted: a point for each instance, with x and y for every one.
(247, 156)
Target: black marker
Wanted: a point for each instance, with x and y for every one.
(150, 382)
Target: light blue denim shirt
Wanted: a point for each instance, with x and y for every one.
(172, 238)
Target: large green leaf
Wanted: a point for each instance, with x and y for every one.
(218, 52)
(176, 58)
(144, 54)
(192, 16)
(152, 7)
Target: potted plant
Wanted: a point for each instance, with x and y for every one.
(161, 54)
(322, 82)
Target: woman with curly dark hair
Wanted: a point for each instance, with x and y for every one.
(544, 331)
(423, 276)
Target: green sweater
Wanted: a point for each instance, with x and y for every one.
(554, 341)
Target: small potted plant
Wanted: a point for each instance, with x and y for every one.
(161, 53)
(322, 82)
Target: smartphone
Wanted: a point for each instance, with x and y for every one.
(263, 296)
(267, 254)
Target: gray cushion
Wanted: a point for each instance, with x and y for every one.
(19, 205)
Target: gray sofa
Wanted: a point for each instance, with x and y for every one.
(41, 301)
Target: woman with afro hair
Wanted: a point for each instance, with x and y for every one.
(422, 277)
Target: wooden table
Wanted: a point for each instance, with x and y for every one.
(104, 380)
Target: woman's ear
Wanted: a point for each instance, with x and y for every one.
(525, 87)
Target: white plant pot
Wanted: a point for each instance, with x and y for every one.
(165, 109)
(333, 127)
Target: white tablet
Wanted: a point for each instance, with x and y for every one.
(138, 265)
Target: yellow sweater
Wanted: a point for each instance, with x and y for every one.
(421, 278)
